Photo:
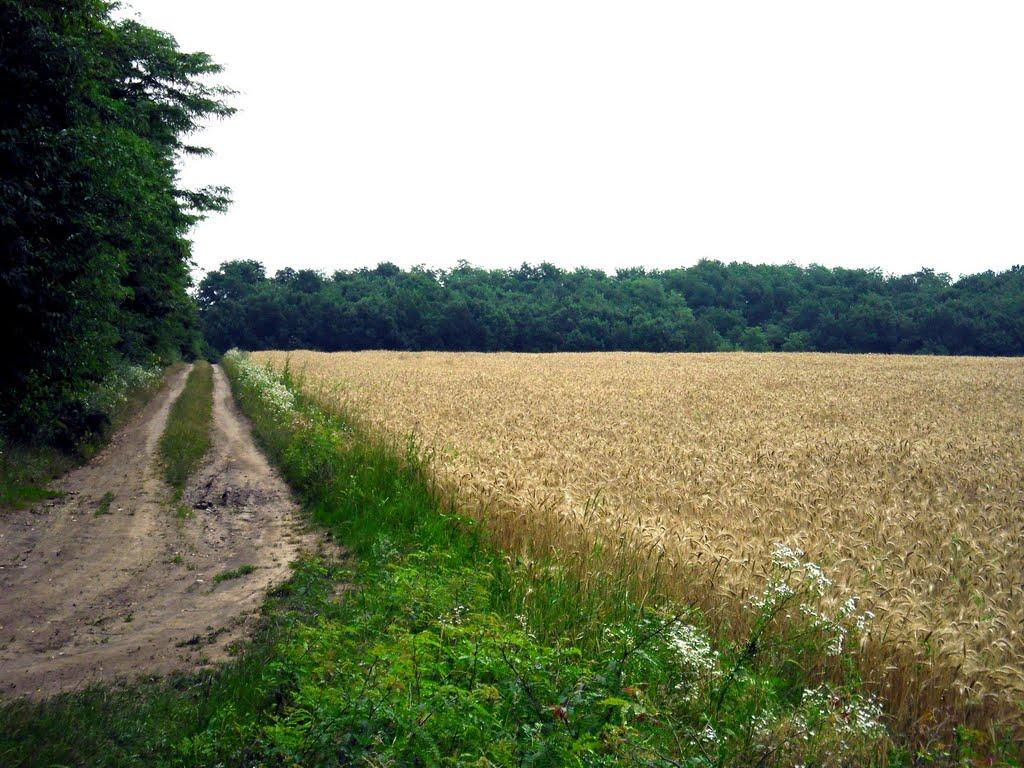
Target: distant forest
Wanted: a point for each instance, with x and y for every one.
(706, 307)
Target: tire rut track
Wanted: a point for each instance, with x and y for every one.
(87, 598)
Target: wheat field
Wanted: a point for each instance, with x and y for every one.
(901, 476)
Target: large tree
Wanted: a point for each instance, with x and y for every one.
(95, 114)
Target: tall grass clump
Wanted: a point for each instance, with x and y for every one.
(186, 438)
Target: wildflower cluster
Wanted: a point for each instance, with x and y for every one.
(721, 697)
(826, 728)
(274, 394)
(454, 617)
(113, 391)
(794, 579)
(693, 650)
(709, 735)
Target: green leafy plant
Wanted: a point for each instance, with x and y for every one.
(234, 573)
(103, 508)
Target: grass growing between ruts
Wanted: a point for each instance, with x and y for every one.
(186, 438)
(434, 649)
(234, 573)
(103, 508)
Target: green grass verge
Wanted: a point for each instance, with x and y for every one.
(24, 473)
(431, 647)
(186, 438)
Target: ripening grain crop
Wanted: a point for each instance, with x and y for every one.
(901, 475)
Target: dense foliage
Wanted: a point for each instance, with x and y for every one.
(94, 115)
(709, 306)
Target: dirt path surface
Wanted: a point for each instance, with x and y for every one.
(88, 597)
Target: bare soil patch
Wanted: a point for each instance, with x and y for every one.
(87, 597)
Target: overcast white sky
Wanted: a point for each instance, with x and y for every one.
(882, 134)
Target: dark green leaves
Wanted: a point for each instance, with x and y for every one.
(707, 307)
(93, 221)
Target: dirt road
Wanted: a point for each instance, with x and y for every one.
(87, 597)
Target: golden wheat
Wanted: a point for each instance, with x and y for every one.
(900, 475)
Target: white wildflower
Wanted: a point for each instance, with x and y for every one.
(454, 616)
(835, 645)
(816, 577)
(863, 620)
(693, 649)
(775, 593)
(786, 557)
(272, 391)
(112, 392)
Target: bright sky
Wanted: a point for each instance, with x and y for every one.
(877, 133)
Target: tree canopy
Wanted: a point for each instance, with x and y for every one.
(709, 306)
(95, 114)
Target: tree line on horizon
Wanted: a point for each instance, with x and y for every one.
(711, 306)
(95, 117)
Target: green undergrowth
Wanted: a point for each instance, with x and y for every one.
(25, 472)
(186, 438)
(430, 647)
